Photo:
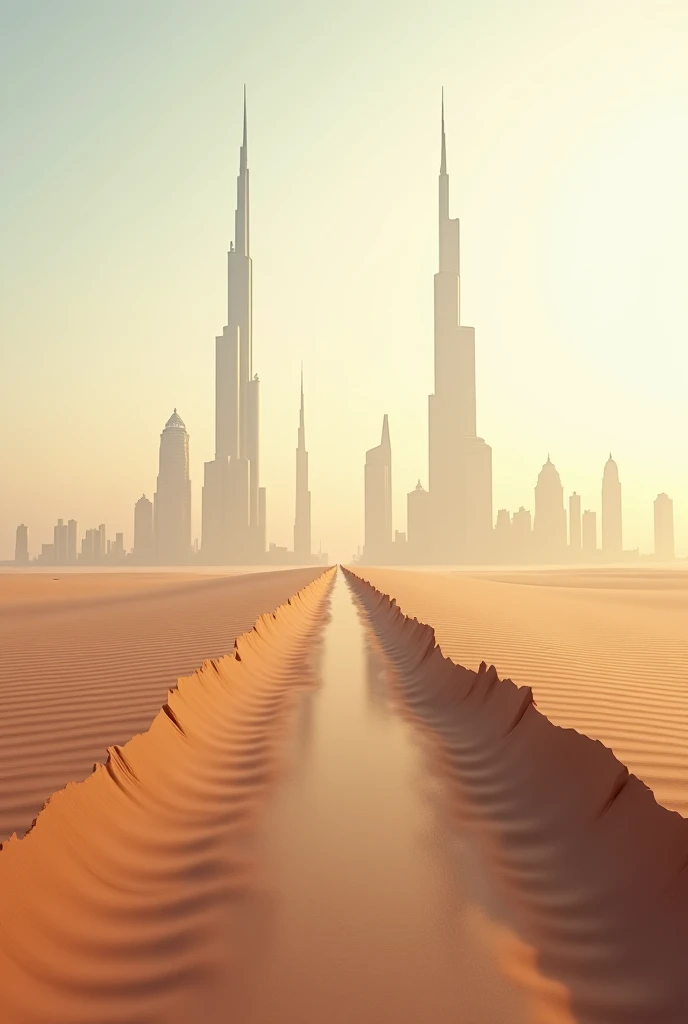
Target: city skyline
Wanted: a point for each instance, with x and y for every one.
(451, 523)
(36, 496)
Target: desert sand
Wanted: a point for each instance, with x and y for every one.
(591, 869)
(604, 650)
(336, 822)
(88, 658)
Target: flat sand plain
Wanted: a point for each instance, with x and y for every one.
(87, 659)
(604, 650)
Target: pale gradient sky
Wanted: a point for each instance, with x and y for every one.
(567, 132)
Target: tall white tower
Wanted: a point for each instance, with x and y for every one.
(233, 507)
(460, 462)
(302, 518)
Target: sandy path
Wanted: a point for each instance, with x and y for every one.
(376, 912)
(86, 662)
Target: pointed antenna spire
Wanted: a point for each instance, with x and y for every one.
(443, 162)
(385, 431)
(245, 123)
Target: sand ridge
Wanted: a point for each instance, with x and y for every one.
(605, 651)
(593, 869)
(115, 904)
(91, 666)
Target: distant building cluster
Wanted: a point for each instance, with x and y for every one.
(451, 523)
(234, 503)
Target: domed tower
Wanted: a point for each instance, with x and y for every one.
(549, 527)
(612, 544)
(172, 502)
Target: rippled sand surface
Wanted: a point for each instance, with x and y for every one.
(335, 822)
(86, 660)
(605, 651)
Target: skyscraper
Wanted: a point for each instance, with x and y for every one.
(21, 545)
(589, 533)
(612, 545)
(664, 528)
(60, 542)
(233, 508)
(460, 462)
(549, 526)
(172, 500)
(72, 528)
(522, 536)
(418, 522)
(575, 524)
(302, 516)
(378, 499)
(144, 545)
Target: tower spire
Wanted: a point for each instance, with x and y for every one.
(385, 432)
(244, 143)
(443, 161)
(302, 426)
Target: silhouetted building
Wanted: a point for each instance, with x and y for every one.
(575, 536)
(302, 516)
(664, 528)
(522, 536)
(172, 501)
(117, 549)
(100, 542)
(460, 462)
(378, 500)
(549, 527)
(60, 542)
(72, 530)
(21, 545)
(612, 544)
(503, 539)
(418, 522)
(233, 527)
(47, 555)
(589, 533)
(144, 544)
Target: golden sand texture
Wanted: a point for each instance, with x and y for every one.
(91, 667)
(119, 904)
(605, 651)
(592, 870)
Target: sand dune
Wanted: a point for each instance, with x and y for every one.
(127, 899)
(592, 870)
(605, 651)
(87, 660)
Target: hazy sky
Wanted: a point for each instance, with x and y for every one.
(567, 132)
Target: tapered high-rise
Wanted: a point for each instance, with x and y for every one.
(378, 499)
(549, 525)
(172, 500)
(612, 543)
(144, 545)
(233, 527)
(302, 516)
(460, 462)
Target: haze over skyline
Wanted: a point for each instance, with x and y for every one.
(567, 133)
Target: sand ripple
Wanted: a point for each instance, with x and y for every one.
(90, 667)
(592, 870)
(114, 905)
(605, 651)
